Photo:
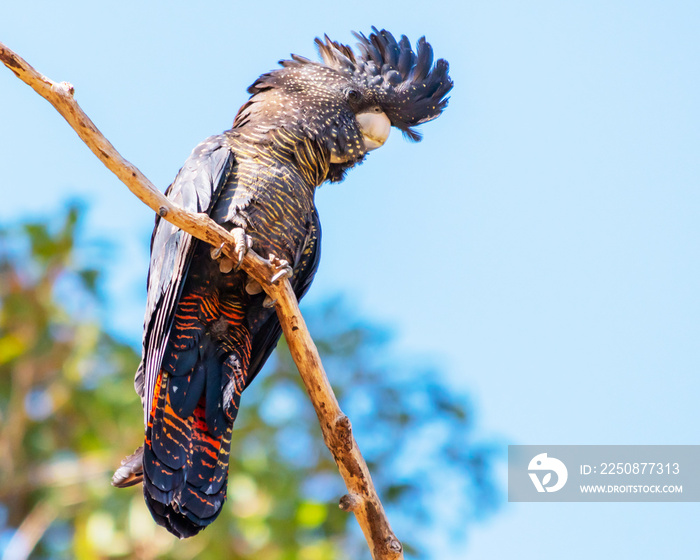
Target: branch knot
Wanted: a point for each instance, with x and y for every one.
(64, 88)
(343, 432)
(393, 545)
(350, 502)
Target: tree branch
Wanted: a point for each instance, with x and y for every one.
(362, 498)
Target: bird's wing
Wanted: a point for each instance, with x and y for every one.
(195, 188)
(265, 326)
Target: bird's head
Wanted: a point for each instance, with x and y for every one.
(348, 103)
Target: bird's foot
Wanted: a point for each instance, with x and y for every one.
(282, 267)
(283, 270)
(243, 242)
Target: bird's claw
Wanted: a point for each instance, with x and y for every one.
(215, 252)
(225, 264)
(283, 268)
(242, 242)
(286, 273)
(283, 271)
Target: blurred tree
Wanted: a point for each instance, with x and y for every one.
(68, 414)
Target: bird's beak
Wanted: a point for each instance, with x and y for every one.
(375, 127)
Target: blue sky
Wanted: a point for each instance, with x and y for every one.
(540, 244)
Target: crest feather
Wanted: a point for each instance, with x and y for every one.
(406, 84)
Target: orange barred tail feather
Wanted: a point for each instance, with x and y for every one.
(185, 466)
(194, 404)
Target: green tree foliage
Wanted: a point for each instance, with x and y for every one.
(68, 414)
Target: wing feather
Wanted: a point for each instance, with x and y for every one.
(196, 188)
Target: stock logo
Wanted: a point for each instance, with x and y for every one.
(544, 466)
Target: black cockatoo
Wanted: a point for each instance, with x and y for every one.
(208, 328)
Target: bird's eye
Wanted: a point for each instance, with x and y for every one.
(353, 95)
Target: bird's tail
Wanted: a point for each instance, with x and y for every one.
(185, 462)
(195, 399)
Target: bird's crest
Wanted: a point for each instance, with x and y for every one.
(408, 87)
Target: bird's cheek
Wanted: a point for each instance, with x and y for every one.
(375, 128)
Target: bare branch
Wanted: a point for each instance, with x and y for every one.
(362, 498)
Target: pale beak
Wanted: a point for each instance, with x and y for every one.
(375, 127)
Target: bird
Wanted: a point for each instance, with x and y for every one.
(208, 327)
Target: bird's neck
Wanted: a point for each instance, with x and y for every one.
(311, 159)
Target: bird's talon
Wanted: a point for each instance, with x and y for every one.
(269, 302)
(243, 243)
(282, 266)
(285, 272)
(216, 251)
